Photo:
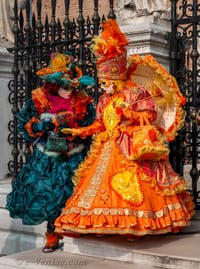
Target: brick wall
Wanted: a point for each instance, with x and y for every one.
(88, 8)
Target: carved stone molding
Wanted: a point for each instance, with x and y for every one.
(130, 9)
(6, 23)
(149, 35)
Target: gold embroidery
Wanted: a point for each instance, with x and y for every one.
(127, 211)
(135, 90)
(90, 193)
(122, 230)
(128, 186)
(110, 117)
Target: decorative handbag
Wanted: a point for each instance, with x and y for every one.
(148, 144)
(56, 142)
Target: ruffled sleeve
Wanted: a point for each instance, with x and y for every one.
(25, 120)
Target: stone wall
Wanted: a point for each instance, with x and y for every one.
(6, 61)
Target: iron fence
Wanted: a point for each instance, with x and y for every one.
(34, 42)
(184, 55)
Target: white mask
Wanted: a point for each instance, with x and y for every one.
(64, 93)
(109, 89)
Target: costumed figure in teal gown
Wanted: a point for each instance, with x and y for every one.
(44, 183)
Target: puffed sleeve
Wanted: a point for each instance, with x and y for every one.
(140, 107)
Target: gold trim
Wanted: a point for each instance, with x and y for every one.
(96, 180)
(126, 211)
(123, 231)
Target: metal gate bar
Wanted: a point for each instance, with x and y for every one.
(185, 32)
(35, 40)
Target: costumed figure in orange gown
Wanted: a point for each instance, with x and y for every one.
(126, 184)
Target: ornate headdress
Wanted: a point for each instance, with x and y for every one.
(110, 50)
(64, 71)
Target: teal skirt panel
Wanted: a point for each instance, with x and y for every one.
(42, 188)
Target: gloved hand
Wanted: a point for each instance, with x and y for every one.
(43, 126)
(72, 131)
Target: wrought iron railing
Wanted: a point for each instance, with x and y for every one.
(184, 55)
(34, 42)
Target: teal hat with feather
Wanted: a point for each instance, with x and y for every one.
(64, 71)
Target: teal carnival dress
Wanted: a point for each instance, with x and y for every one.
(45, 182)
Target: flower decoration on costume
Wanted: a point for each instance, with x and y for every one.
(110, 50)
(65, 72)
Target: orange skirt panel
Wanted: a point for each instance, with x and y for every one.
(116, 196)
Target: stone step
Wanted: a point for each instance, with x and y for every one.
(16, 237)
(171, 251)
(35, 259)
(167, 251)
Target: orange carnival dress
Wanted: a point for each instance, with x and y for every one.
(116, 194)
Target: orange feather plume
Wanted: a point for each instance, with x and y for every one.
(111, 43)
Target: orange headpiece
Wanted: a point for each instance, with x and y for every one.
(110, 50)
